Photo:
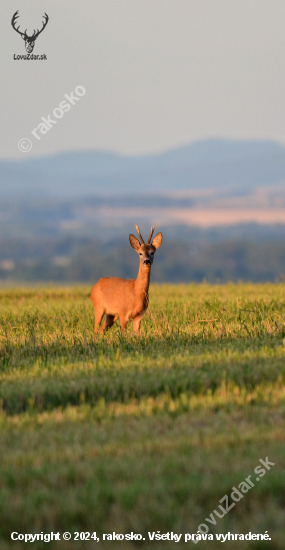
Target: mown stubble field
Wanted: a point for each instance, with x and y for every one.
(119, 433)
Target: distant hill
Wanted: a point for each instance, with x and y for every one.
(239, 166)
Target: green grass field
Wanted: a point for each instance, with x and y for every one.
(119, 433)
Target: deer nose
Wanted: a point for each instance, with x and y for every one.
(147, 262)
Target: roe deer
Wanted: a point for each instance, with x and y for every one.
(127, 299)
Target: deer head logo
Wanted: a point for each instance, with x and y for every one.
(29, 40)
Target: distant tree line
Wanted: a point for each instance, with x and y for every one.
(70, 259)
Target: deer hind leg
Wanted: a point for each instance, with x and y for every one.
(109, 321)
(98, 318)
(137, 323)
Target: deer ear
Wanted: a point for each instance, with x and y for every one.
(157, 240)
(135, 243)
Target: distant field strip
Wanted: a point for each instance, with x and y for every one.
(203, 217)
(118, 433)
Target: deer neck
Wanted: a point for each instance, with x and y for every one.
(142, 280)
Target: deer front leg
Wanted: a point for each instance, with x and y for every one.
(137, 323)
(124, 322)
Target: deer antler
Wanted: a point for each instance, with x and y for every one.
(24, 34)
(139, 233)
(35, 35)
(13, 22)
(151, 234)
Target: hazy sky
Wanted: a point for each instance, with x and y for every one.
(157, 73)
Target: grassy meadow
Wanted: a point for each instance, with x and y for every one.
(119, 433)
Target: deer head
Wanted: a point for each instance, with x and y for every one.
(147, 250)
(29, 40)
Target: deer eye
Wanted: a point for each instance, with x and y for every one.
(152, 253)
(140, 253)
